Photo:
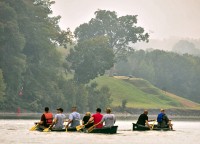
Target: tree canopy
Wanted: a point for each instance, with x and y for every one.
(90, 58)
(119, 30)
(168, 71)
(32, 70)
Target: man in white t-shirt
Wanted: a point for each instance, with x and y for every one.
(108, 118)
(59, 120)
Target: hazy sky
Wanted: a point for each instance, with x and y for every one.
(161, 18)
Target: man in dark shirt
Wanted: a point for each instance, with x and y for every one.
(143, 119)
(46, 118)
(86, 119)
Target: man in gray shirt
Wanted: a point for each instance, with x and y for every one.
(108, 118)
(58, 120)
(74, 118)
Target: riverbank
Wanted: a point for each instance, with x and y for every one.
(133, 115)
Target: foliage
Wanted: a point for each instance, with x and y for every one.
(186, 47)
(12, 60)
(2, 87)
(119, 30)
(98, 97)
(124, 102)
(90, 58)
(139, 93)
(29, 60)
(172, 72)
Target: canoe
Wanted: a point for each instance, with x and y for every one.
(58, 130)
(137, 127)
(105, 130)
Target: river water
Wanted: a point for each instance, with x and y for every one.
(17, 132)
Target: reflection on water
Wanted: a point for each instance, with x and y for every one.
(17, 132)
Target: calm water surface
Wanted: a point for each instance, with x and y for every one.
(17, 132)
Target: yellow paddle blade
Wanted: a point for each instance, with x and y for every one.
(153, 125)
(79, 127)
(46, 130)
(34, 127)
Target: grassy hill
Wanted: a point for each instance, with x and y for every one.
(139, 93)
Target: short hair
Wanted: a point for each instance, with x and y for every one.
(145, 111)
(98, 110)
(46, 109)
(108, 110)
(162, 110)
(60, 109)
(74, 108)
(88, 114)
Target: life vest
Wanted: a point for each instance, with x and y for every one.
(49, 118)
(160, 117)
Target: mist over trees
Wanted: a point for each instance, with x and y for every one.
(33, 73)
(186, 47)
(31, 68)
(168, 71)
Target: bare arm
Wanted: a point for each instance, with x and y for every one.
(54, 122)
(68, 123)
(91, 119)
(147, 123)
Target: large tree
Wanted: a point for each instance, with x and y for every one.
(29, 60)
(12, 60)
(91, 58)
(119, 30)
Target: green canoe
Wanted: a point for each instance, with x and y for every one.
(137, 127)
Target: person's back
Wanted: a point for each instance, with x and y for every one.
(97, 117)
(162, 119)
(46, 118)
(75, 117)
(86, 119)
(142, 119)
(60, 120)
(108, 118)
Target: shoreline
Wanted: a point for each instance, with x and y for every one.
(119, 116)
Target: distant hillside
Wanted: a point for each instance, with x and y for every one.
(139, 93)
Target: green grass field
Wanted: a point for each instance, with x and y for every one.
(139, 93)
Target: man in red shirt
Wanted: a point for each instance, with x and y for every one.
(97, 118)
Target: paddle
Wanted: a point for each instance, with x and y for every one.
(92, 127)
(79, 127)
(34, 127)
(47, 129)
(153, 125)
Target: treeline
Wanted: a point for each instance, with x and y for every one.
(33, 73)
(179, 74)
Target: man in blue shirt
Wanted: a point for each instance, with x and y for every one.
(163, 120)
(74, 118)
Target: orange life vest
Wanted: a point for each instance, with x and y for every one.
(49, 118)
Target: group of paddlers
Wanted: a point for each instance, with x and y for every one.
(96, 120)
(57, 122)
(162, 120)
